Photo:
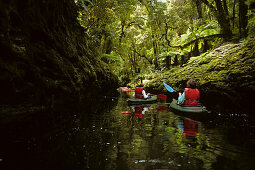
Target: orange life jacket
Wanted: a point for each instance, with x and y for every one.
(191, 96)
(138, 92)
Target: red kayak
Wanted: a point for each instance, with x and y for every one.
(126, 89)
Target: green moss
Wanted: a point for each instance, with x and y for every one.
(230, 65)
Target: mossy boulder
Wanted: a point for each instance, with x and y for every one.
(227, 72)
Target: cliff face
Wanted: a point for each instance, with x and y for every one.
(45, 54)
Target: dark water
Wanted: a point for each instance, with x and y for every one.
(113, 135)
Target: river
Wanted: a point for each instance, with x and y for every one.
(112, 135)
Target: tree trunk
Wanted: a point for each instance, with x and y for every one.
(196, 50)
(166, 38)
(175, 60)
(234, 13)
(199, 9)
(206, 46)
(108, 45)
(222, 17)
(225, 7)
(243, 19)
(122, 31)
(155, 49)
(223, 20)
(168, 62)
(183, 59)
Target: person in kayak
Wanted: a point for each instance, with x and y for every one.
(140, 92)
(190, 95)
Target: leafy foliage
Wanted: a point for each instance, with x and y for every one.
(251, 15)
(151, 35)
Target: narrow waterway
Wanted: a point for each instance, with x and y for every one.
(113, 135)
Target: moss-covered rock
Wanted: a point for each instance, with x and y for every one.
(227, 70)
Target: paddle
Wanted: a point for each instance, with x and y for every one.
(170, 89)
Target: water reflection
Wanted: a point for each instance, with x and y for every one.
(152, 137)
(139, 110)
(189, 128)
(138, 137)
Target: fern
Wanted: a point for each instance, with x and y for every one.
(110, 58)
(210, 28)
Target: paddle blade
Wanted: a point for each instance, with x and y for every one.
(170, 89)
(162, 97)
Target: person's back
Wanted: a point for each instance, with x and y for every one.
(140, 92)
(191, 94)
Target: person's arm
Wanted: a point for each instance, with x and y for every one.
(181, 98)
(144, 94)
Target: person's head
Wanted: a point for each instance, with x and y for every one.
(140, 85)
(191, 84)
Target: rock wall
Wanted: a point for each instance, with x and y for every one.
(45, 54)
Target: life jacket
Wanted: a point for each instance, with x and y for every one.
(138, 111)
(138, 92)
(190, 130)
(191, 96)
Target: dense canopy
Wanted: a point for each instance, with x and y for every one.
(138, 37)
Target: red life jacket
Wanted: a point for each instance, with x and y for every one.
(191, 96)
(190, 129)
(138, 112)
(138, 92)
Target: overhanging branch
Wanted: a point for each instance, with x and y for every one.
(143, 56)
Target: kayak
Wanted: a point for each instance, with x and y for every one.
(126, 89)
(187, 108)
(134, 101)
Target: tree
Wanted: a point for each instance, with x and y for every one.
(243, 19)
(221, 14)
(131, 34)
(199, 9)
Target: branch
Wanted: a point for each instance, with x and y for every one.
(130, 24)
(209, 5)
(206, 38)
(134, 23)
(143, 56)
